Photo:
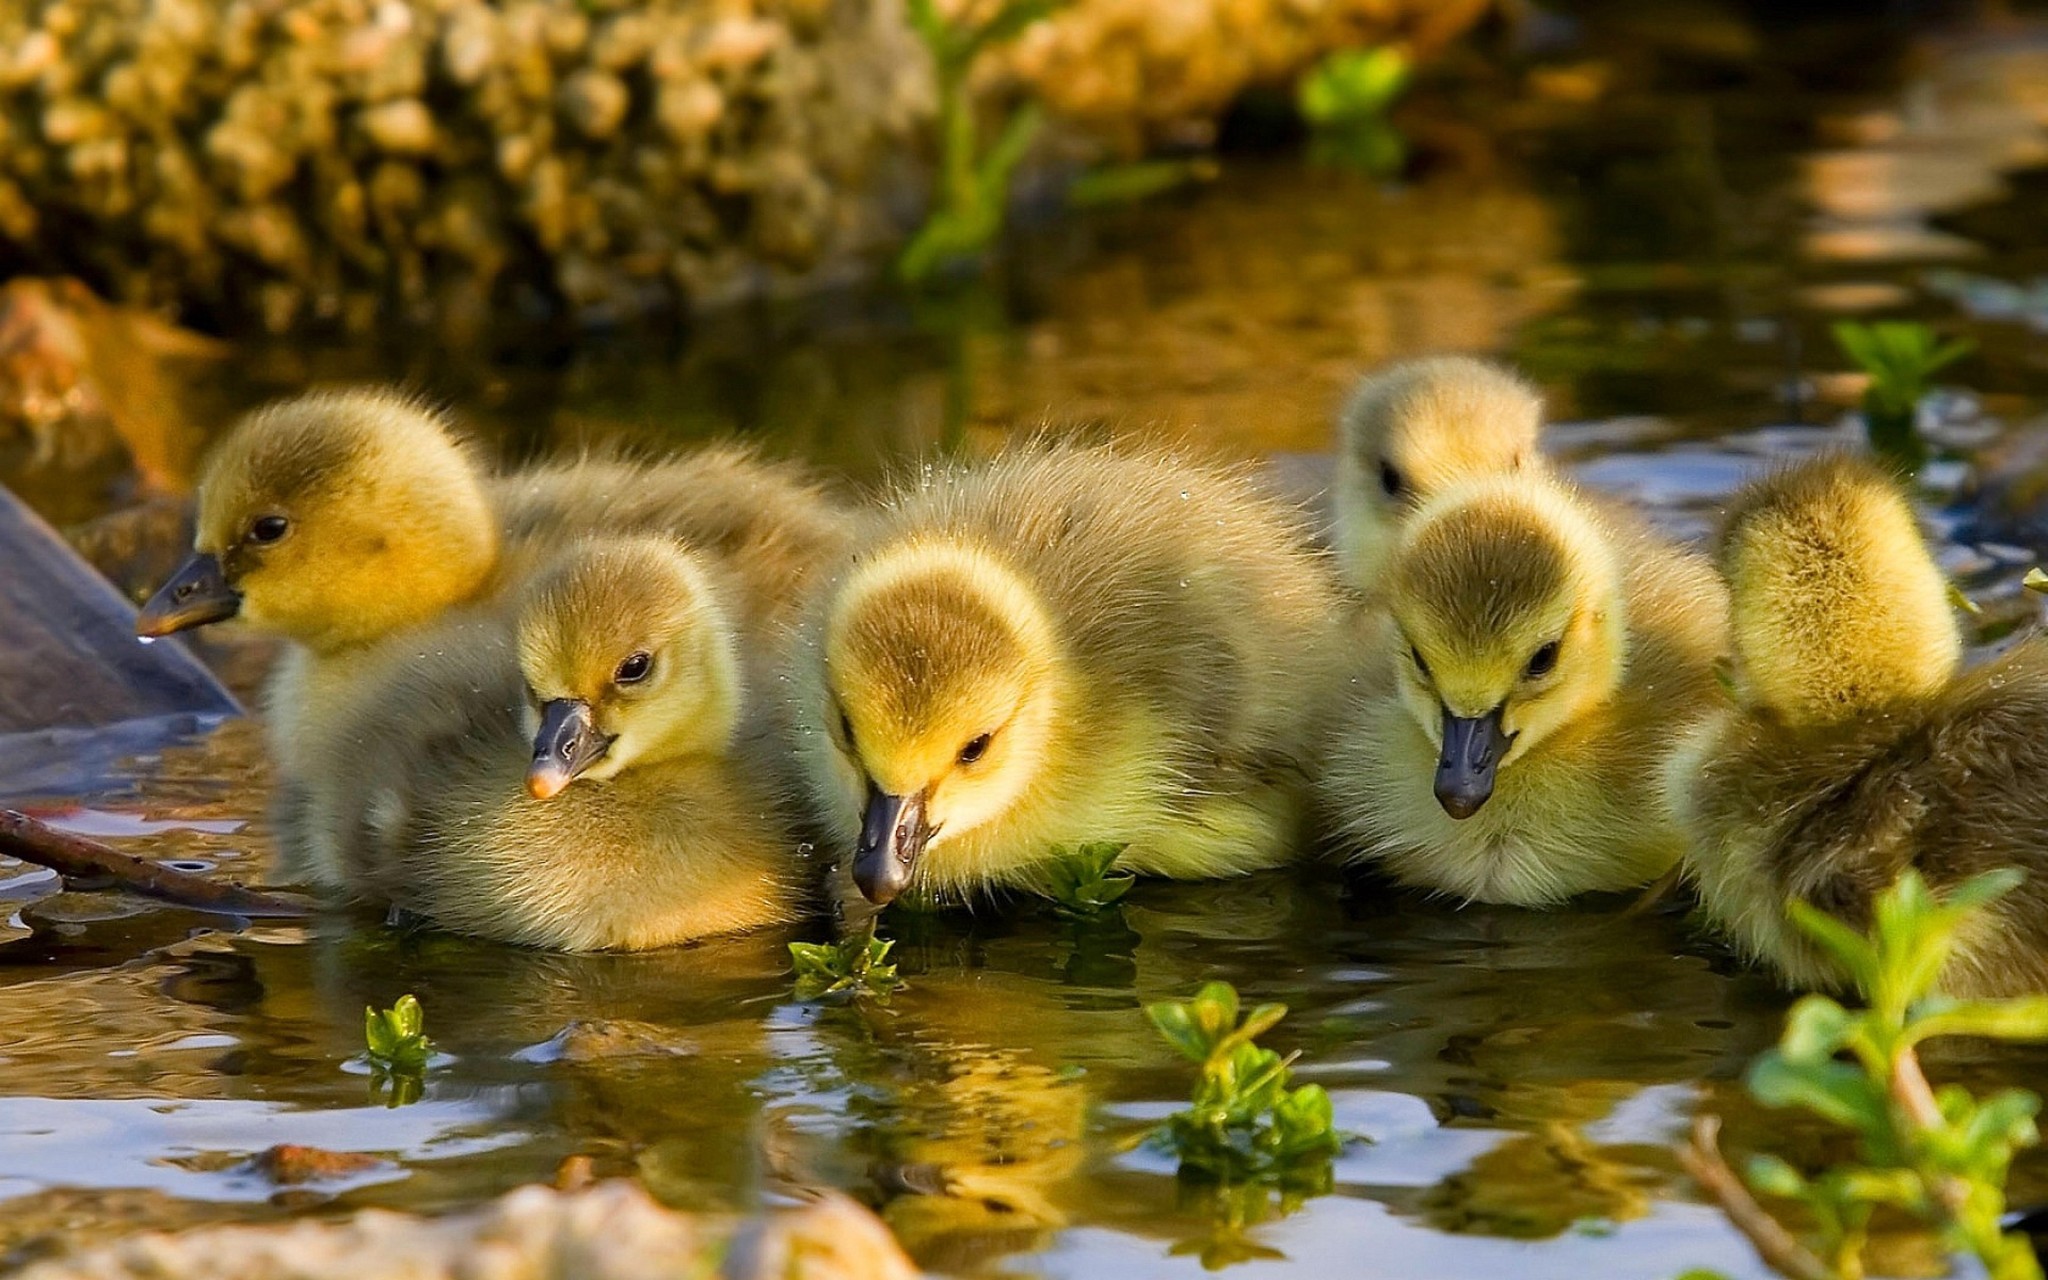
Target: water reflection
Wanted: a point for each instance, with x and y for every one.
(1659, 248)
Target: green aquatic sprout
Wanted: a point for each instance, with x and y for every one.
(1345, 99)
(1351, 85)
(973, 184)
(1938, 1155)
(398, 1049)
(1900, 356)
(1084, 879)
(851, 966)
(1243, 1123)
(397, 1037)
(2036, 581)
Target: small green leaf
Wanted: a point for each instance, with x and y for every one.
(1982, 890)
(814, 959)
(1083, 881)
(1962, 601)
(1850, 949)
(1769, 1176)
(2035, 580)
(1259, 1021)
(2006, 1118)
(1815, 1030)
(1879, 1186)
(1351, 85)
(1215, 1011)
(1834, 1091)
(407, 1018)
(2023, 1018)
(1177, 1026)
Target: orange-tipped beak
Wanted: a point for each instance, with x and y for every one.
(198, 593)
(568, 743)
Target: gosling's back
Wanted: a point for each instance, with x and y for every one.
(1953, 785)
(771, 526)
(1855, 746)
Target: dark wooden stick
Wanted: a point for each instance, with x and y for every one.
(78, 858)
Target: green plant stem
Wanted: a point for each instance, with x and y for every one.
(961, 145)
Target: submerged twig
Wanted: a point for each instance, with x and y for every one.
(76, 857)
(1655, 893)
(1778, 1248)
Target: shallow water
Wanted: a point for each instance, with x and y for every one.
(1671, 251)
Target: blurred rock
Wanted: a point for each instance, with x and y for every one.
(1138, 71)
(289, 1164)
(612, 1231)
(349, 162)
(85, 383)
(451, 161)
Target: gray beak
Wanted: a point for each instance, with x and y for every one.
(567, 744)
(1472, 751)
(892, 834)
(198, 593)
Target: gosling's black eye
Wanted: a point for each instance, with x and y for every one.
(267, 529)
(1391, 479)
(974, 750)
(1420, 665)
(634, 669)
(1543, 661)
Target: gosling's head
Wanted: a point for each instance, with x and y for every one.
(332, 519)
(1416, 428)
(629, 658)
(942, 682)
(1837, 608)
(1506, 610)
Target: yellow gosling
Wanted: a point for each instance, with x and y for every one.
(1066, 644)
(1857, 746)
(341, 519)
(1501, 744)
(573, 779)
(1413, 429)
(333, 520)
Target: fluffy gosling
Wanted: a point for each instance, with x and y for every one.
(1410, 431)
(573, 779)
(340, 519)
(1857, 746)
(1501, 743)
(1066, 644)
